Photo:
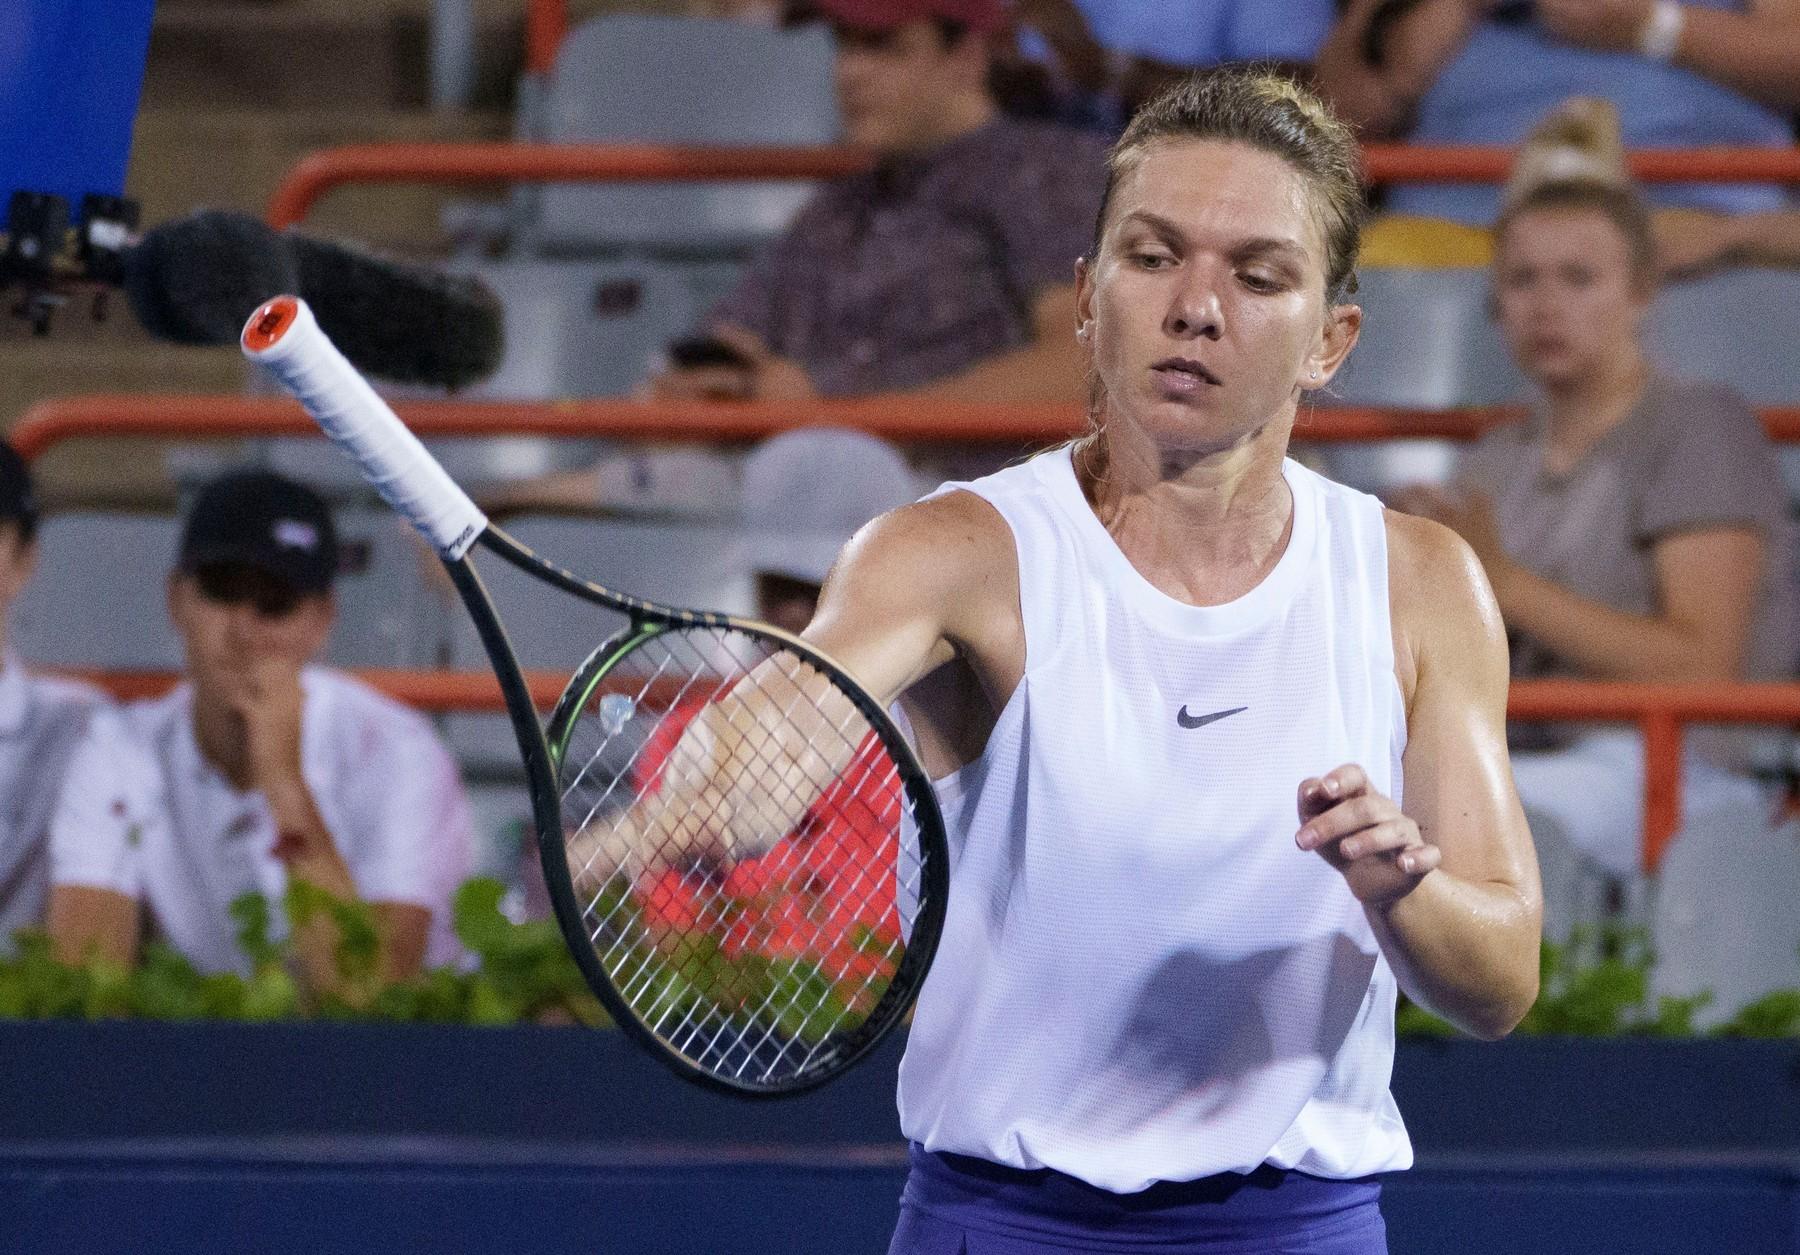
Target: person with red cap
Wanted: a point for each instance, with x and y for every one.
(945, 270)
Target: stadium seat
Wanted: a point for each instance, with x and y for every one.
(393, 611)
(584, 328)
(675, 80)
(574, 328)
(1737, 327)
(1723, 918)
(97, 599)
(1427, 342)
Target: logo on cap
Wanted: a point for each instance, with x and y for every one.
(295, 534)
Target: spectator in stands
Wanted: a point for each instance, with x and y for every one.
(948, 270)
(1634, 527)
(1107, 57)
(41, 719)
(1484, 71)
(259, 769)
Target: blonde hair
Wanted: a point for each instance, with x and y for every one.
(1273, 113)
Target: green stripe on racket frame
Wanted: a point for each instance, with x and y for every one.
(742, 852)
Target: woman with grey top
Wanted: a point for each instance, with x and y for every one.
(1634, 527)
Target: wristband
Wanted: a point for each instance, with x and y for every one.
(1661, 35)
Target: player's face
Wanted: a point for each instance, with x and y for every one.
(18, 559)
(891, 84)
(232, 618)
(1206, 302)
(1569, 301)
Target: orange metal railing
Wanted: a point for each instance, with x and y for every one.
(59, 419)
(1660, 710)
(505, 162)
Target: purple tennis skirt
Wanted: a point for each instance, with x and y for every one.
(955, 1205)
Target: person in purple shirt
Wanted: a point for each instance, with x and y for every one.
(947, 270)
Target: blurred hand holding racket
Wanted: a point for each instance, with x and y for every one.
(744, 856)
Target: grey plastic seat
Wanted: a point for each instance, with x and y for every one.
(1723, 918)
(697, 565)
(674, 80)
(583, 328)
(393, 610)
(97, 599)
(1737, 327)
(1427, 343)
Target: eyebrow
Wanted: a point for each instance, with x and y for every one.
(1244, 250)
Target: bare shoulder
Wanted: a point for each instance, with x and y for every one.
(956, 546)
(1442, 608)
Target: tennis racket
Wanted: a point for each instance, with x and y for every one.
(744, 856)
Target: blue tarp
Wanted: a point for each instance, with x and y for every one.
(70, 74)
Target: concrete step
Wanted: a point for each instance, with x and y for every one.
(185, 159)
(106, 472)
(300, 55)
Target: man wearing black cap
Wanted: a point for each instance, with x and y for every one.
(41, 719)
(260, 768)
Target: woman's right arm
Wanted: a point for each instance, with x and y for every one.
(1417, 40)
(902, 598)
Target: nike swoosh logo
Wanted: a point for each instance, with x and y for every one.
(1200, 721)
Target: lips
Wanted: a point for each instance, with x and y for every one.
(1186, 367)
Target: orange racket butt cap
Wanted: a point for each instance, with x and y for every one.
(270, 322)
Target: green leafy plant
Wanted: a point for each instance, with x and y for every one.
(1597, 985)
(523, 972)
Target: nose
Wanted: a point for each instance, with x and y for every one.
(242, 624)
(1195, 312)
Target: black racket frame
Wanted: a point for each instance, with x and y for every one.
(542, 767)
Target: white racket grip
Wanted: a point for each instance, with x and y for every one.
(284, 336)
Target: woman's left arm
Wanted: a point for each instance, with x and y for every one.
(1706, 584)
(1450, 883)
(1707, 578)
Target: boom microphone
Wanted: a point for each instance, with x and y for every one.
(196, 279)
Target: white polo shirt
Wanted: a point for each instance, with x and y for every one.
(41, 719)
(143, 813)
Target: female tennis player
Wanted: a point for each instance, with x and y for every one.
(1169, 683)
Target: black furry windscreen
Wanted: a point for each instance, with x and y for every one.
(194, 280)
(405, 323)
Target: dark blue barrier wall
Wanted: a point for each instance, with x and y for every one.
(306, 1199)
(323, 1138)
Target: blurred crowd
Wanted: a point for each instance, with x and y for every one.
(1635, 525)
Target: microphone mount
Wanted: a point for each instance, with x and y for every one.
(48, 260)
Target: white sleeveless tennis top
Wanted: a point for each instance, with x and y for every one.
(1141, 977)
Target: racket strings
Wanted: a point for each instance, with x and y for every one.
(736, 831)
